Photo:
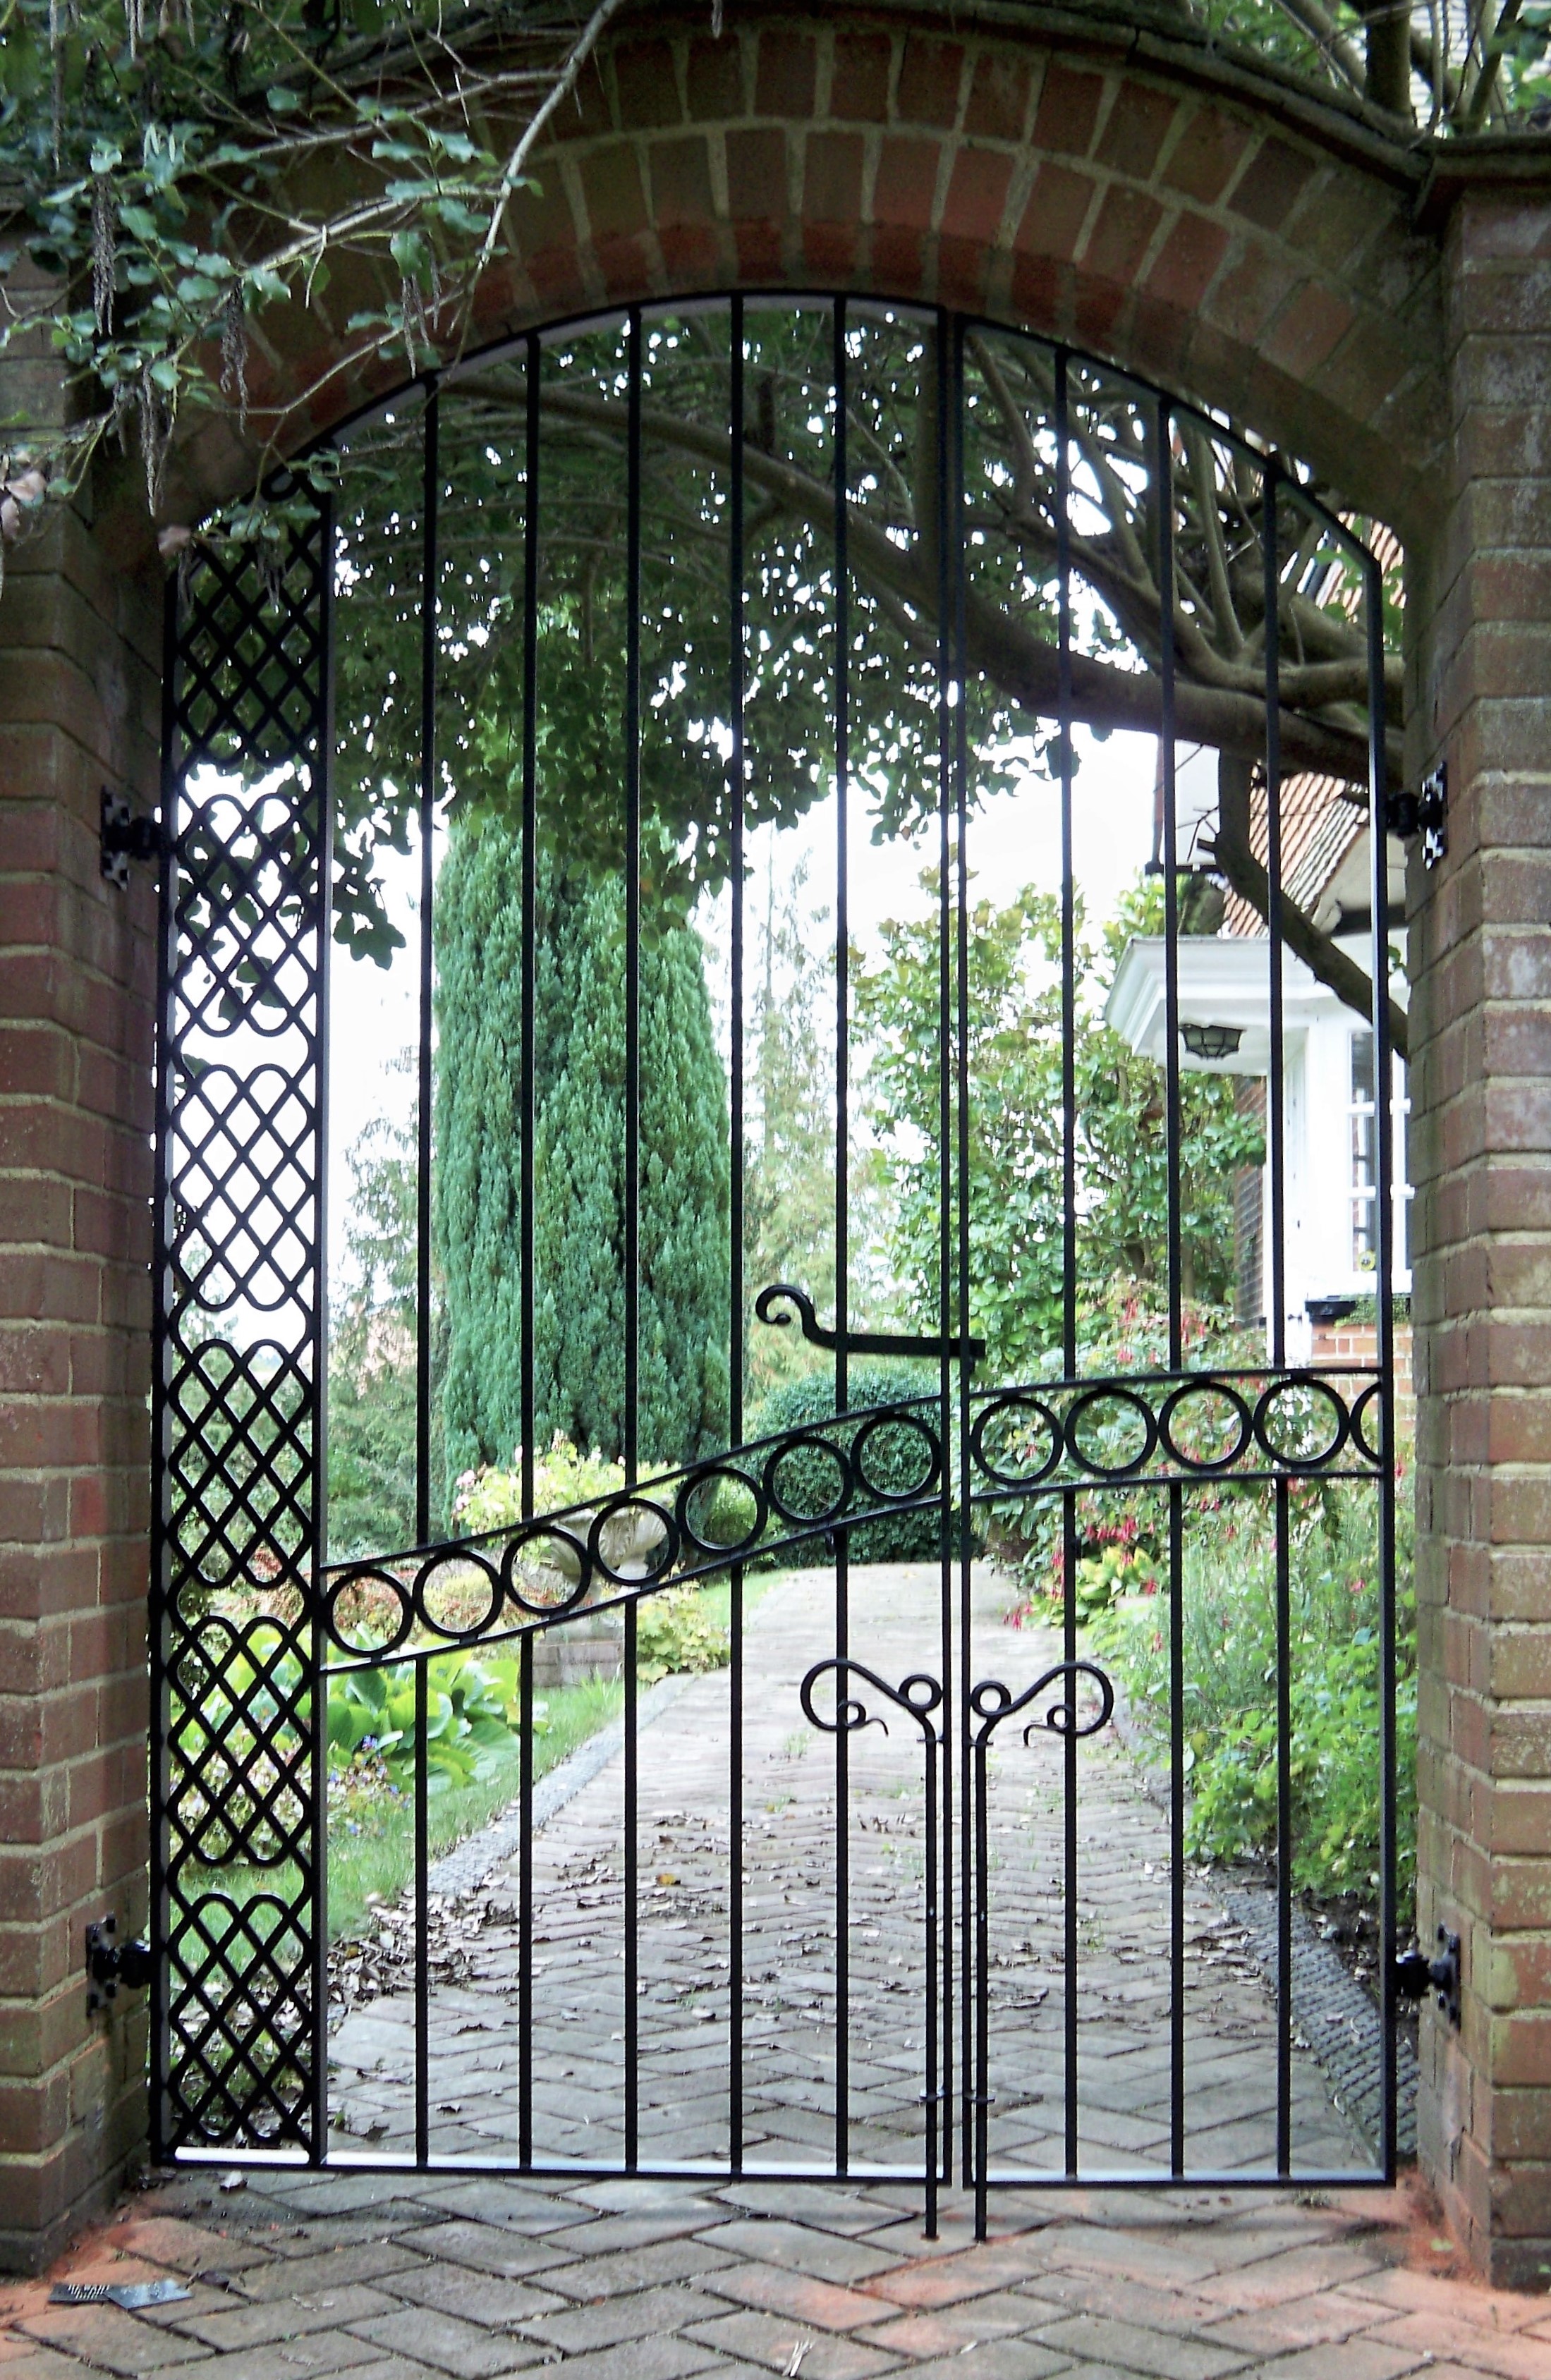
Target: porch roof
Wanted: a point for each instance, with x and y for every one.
(1224, 980)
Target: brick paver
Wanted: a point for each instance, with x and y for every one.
(1182, 2284)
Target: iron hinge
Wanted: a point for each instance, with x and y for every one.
(1423, 812)
(125, 837)
(110, 1962)
(1416, 1974)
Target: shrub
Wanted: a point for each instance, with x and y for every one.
(471, 1708)
(676, 1630)
(1229, 1629)
(895, 1459)
(491, 1497)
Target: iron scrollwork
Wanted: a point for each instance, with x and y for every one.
(918, 1695)
(906, 1344)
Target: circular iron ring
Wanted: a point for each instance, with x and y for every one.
(1107, 1393)
(711, 1547)
(1020, 1402)
(907, 1421)
(1301, 1463)
(808, 1440)
(1206, 1386)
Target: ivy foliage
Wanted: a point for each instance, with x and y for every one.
(580, 1152)
(896, 625)
(173, 171)
(176, 171)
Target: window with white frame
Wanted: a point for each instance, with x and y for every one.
(1363, 1170)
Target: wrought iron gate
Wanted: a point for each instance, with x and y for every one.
(253, 1620)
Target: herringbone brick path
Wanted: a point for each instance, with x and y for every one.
(789, 1932)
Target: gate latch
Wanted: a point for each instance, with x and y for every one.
(1425, 813)
(110, 1962)
(1416, 1974)
(125, 837)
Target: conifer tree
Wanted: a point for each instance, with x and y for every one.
(579, 1201)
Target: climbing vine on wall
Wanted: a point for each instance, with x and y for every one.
(170, 170)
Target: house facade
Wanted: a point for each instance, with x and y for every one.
(1330, 1121)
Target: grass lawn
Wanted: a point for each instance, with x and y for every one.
(370, 1837)
(371, 1852)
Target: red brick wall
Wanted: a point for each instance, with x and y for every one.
(1481, 1133)
(79, 706)
(1358, 1343)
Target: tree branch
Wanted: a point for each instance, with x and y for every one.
(1023, 665)
(1475, 108)
(1310, 18)
(1324, 959)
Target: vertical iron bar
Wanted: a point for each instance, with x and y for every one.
(1068, 1232)
(1384, 1248)
(736, 1357)
(322, 781)
(1163, 494)
(633, 1197)
(422, 1946)
(531, 391)
(930, 2013)
(1276, 1118)
(529, 895)
(945, 1180)
(430, 500)
(632, 1956)
(525, 1902)
(1163, 491)
(158, 1917)
(945, 1173)
(1276, 1090)
(980, 2154)
(842, 1233)
(962, 1083)
(632, 904)
(946, 524)
(1069, 912)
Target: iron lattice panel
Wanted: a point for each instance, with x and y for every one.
(239, 1327)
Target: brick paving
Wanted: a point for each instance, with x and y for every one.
(788, 1938)
(299, 2276)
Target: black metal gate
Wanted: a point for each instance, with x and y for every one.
(1125, 502)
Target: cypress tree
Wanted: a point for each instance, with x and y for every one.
(579, 1359)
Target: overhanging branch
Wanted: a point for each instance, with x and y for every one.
(1324, 959)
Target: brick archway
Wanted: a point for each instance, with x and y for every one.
(1383, 312)
(1227, 238)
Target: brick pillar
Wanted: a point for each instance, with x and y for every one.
(1482, 1128)
(79, 666)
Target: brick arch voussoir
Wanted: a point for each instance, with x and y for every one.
(1208, 236)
